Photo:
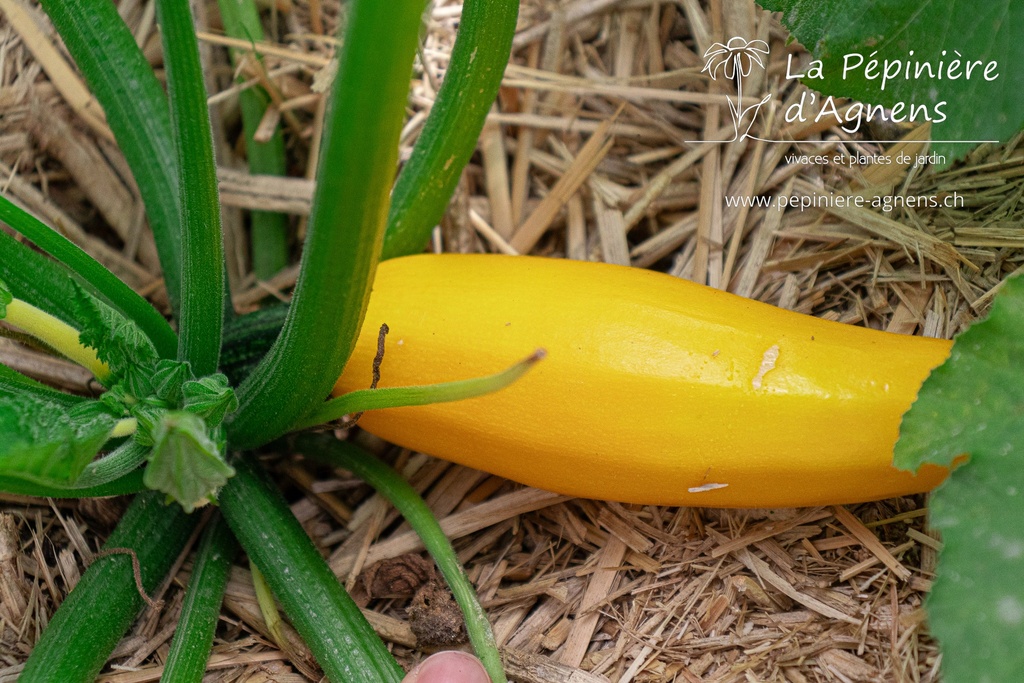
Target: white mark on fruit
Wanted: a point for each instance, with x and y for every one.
(706, 487)
(767, 365)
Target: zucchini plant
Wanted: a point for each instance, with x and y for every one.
(185, 403)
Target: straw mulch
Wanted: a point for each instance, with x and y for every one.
(588, 155)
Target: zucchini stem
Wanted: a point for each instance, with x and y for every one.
(362, 400)
(58, 334)
(125, 459)
(337, 633)
(193, 640)
(388, 483)
(95, 615)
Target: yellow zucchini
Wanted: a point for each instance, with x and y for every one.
(655, 390)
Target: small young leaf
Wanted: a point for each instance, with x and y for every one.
(49, 442)
(118, 341)
(971, 406)
(137, 382)
(168, 379)
(186, 463)
(148, 416)
(211, 398)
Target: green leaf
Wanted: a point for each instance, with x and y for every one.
(119, 342)
(148, 416)
(185, 462)
(168, 378)
(973, 405)
(975, 109)
(211, 398)
(12, 381)
(49, 442)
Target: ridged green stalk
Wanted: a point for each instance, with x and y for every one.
(136, 107)
(190, 649)
(453, 127)
(346, 224)
(96, 614)
(202, 246)
(337, 633)
(269, 230)
(414, 509)
(102, 281)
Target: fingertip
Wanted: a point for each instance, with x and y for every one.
(451, 666)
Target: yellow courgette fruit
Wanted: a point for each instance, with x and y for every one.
(654, 390)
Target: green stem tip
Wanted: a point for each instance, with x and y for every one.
(401, 397)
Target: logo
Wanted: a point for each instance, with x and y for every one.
(736, 59)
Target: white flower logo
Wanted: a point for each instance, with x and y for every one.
(737, 56)
(735, 59)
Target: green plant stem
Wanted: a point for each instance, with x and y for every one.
(57, 334)
(105, 283)
(193, 639)
(37, 279)
(414, 509)
(453, 127)
(320, 609)
(95, 615)
(268, 607)
(346, 224)
(129, 483)
(202, 246)
(398, 397)
(123, 460)
(136, 107)
(269, 230)
(247, 339)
